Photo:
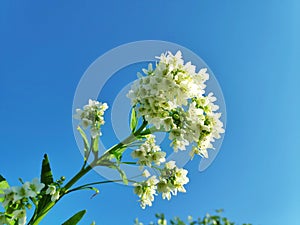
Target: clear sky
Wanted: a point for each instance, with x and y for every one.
(253, 49)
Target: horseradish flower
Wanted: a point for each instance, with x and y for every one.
(8, 197)
(52, 190)
(92, 116)
(20, 215)
(24, 191)
(34, 186)
(146, 174)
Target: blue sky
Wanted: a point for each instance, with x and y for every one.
(253, 49)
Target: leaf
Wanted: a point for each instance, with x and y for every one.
(46, 178)
(118, 153)
(46, 174)
(75, 219)
(3, 185)
(85, 142)
(133, 120)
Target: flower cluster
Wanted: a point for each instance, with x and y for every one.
(92, 116)
(149, 153)
(170, 181)
(172, 98)
(146, 191)
(16, 199)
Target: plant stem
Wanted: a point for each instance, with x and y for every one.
(36, 219)
(128, 140)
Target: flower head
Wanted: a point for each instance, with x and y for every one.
(172, 180)
(92, 116)
(172, 98)
(146, 191)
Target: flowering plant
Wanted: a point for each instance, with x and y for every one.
(168, 98)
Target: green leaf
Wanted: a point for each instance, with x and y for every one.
(46, 174)
(3, 185)
(75, 219)
(119, 152)
(133, 120)
(85, 142)
(46, 178)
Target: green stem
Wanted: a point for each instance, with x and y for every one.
(132, 137)
(97, 183)
(84, 170)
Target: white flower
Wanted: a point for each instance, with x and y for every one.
(20, 215)
(36, 186)
(92, 116)
(149, 153)
(146, 191)
(52, 190)
(23, 191)
(8, 197)
(146, 174)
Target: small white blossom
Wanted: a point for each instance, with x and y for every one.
(23, 191)
(8, 197)
(20, 215)
(146, 174)
(52, 190)
(36, 186)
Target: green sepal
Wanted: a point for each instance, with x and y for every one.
(133, 120)
(75, 219)
(85, 142)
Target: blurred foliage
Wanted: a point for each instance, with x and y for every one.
(215, 219)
